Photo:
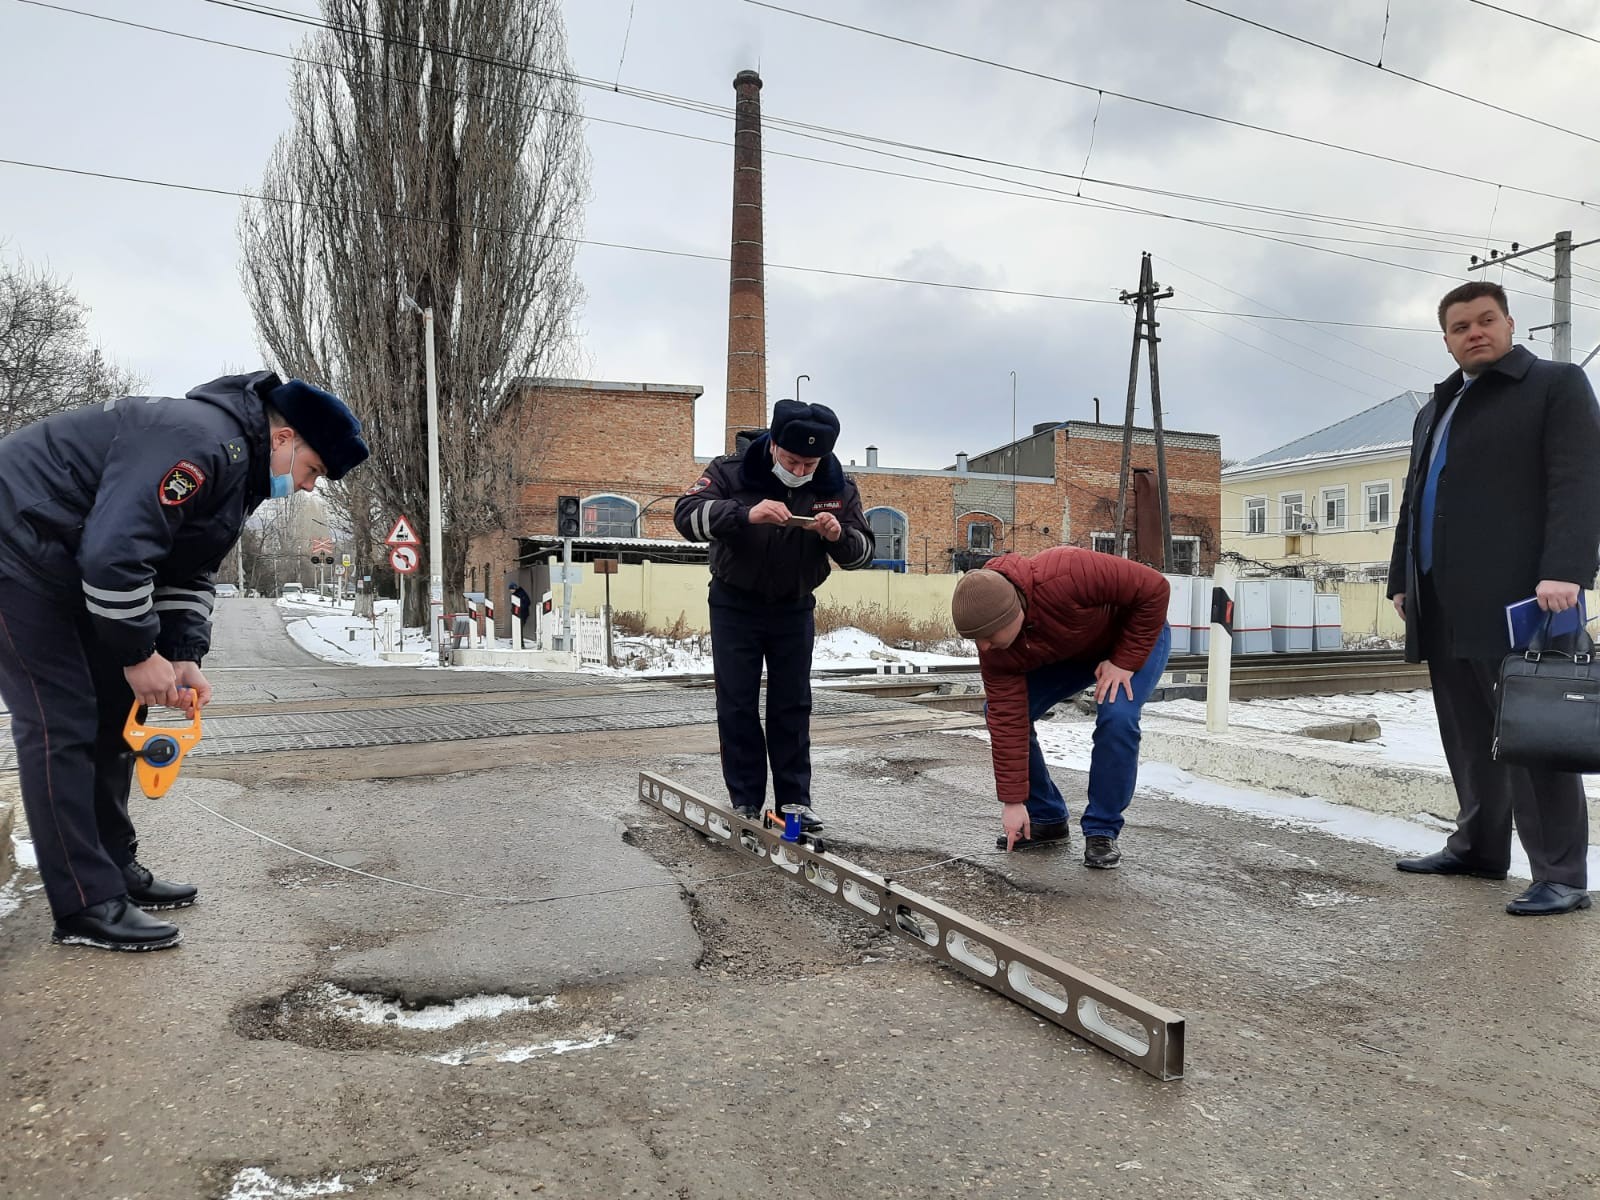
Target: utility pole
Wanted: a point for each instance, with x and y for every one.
(435, 494)
(1144, 329)
(1561, 246)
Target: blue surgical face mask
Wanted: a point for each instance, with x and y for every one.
(283, 485)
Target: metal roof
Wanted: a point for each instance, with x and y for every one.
(1383, 427)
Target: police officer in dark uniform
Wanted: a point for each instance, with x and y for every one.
(775, 516)
(114, 519)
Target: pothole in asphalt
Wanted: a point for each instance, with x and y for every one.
(253, 1183)
(466, 1031)
(884, 769)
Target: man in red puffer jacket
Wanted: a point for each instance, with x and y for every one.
(1048, 626)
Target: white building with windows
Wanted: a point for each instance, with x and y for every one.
(1327, 501)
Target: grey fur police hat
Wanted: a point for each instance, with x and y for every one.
(809, 430)
(325, 423)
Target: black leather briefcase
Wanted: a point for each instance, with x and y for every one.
(1547, 706)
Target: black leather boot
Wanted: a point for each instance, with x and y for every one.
(115, 924)
(148, 892)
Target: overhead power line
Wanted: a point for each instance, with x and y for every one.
(1536, 21)
(232, 193)
(260, 9)
(1146, 101)
(874, 146)
(1449, 244)
(815, 132)
(1299, 345)
(1378, 66)
(1349, 387)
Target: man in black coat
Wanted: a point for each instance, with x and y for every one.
(1502, 502)
(114, 519)
(775, 516)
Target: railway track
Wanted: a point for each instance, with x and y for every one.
(1252, 677)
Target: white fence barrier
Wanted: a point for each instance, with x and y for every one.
(591, 638)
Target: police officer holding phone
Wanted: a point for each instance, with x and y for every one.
(776, 516)
(114, 518)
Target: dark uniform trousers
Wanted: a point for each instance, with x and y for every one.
(744, 636)
(68, 706)
(1549, 807)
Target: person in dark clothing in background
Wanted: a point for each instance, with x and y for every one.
(1502, 502)
(114, 519)
(776, 516)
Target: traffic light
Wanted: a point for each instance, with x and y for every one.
(569, 517)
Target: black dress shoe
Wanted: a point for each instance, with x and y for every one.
(1443, 862)
(148, 892)
(750, 812)
(115, 924)
(1547, 899)
(1101, 853)
(1041, 831)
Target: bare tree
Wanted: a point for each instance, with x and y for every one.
(46, 361)
(436, 149)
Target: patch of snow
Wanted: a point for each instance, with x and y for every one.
(10, 899)
(252, 1183)
(854, 648)
(325, 631)
(1410, 728)
(369, 1010)
(1330, 898)
(23, 849)
(517, 1054)
(1068, 743)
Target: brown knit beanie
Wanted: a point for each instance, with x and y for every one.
(984, 603)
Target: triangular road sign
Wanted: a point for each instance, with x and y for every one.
(402, 534)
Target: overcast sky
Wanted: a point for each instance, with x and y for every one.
(921, 372)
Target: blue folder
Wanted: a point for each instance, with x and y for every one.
(1526, 618)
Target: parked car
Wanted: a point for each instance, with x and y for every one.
(227, 591)
(291, 591)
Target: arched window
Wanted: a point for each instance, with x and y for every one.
(889, 528)
(610, 517)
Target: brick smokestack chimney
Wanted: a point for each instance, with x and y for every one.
(747, 301)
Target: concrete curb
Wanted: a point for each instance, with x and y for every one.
(1307, 766)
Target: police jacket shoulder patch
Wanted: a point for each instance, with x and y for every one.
(180, 483)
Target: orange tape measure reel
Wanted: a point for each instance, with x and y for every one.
(158, 750)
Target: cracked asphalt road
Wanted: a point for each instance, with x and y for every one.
(1351, 1031)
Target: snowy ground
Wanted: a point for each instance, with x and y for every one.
(1410, 738)
(335, 634)
(843, 648)
(1410, 730)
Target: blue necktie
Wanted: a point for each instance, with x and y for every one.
(1430, 484)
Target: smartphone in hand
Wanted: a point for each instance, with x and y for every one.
(798, 522)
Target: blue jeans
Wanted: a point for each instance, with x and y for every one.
(1114, 762)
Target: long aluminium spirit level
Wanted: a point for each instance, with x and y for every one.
(1112, 1018)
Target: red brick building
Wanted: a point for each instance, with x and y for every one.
(1063, 493)
(627, 449)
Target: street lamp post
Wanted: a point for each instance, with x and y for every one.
(435, 500)
(797, 380)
